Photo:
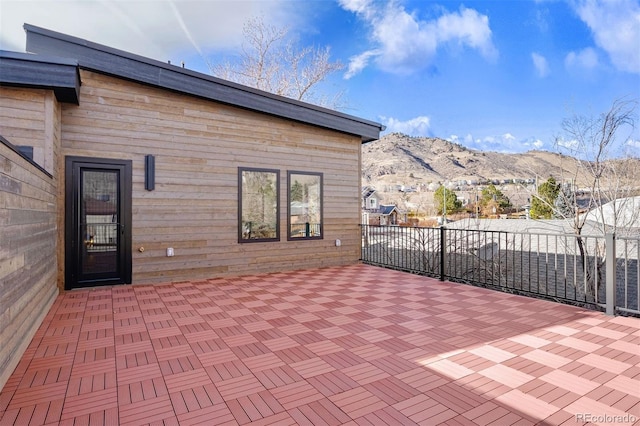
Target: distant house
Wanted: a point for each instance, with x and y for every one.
(383, 215)
(388, 215)
(375, 213)
(118, 169)
(370, 199)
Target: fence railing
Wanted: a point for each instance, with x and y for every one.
(600, 272)
(306, 229)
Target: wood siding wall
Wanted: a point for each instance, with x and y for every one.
(28, 205)
(27, 117)
(198, 146)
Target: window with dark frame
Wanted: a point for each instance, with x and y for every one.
(304, 205)
(258, 205)
(26, 150)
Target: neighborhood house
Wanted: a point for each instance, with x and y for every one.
(118, 169)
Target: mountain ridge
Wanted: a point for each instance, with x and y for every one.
(397, 158)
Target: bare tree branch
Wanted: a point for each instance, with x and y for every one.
(271, 61)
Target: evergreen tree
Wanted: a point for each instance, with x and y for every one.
(542, 204)
(493, 197)
(450, 200)
(565, 204)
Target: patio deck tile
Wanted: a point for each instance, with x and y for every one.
(353, 345)
(358, 402)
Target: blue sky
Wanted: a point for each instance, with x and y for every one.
(492, 75)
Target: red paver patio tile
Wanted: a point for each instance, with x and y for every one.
(86, 404)
(239, 386)
(321, 412)
(449, 369)
(332, 383)
(38, 395)
(179, 365)
(227, 370)
(296, 394)
(222, 355)
(391, 390)
(527, 405)
(455, 397)
(570, 382)
(278, 376)
(364, 373)
(146, 411)
(604, 363)
(312, 367)
(358, 402)
(349, 345)
(424, 410)
(186, 380)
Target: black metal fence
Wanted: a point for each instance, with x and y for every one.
(566, 268)
(306, 229)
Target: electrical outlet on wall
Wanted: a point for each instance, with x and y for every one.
(169, 251)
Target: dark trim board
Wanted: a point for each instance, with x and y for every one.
(41, 72)
(107, 60)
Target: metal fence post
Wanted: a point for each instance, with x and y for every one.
(610, 265)
(443, 254)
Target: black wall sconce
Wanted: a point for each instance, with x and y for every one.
(149, 172)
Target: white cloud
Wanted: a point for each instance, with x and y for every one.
(541, 20)
(468, 139)
(489, 139)
(418, 126)
(541, 64)
(506, 142)
(615, 25)
(358, 63)
(161, 30)
(402, 43)
(633, 143)
(586, 58)
(570, 144)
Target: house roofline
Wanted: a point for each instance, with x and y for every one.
(107, 60)
(41, 72)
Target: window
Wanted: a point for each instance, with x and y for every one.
(258, 199)
(304, 205)
(25, 150)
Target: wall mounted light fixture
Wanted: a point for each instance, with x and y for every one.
(149, 172)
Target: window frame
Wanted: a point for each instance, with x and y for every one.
(320, 175)
(276, 172)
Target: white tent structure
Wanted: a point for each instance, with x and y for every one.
(622, 213)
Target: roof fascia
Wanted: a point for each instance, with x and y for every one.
(41, 72)
(107, 60)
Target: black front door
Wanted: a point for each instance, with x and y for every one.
(98, 222)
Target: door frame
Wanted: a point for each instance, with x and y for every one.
(72, 205)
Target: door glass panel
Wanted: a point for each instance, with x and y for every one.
(99, 221)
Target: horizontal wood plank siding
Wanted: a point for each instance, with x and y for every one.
(28, 200)
(198, 145)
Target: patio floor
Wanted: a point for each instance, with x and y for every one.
(350, 345)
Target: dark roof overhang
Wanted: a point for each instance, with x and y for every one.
(41, 72)
(107, 60)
